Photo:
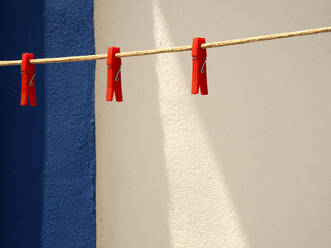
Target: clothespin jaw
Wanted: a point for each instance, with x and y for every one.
(114, 84)
(28, 90)
(199, 67)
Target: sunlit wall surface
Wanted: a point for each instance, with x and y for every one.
(245, 166)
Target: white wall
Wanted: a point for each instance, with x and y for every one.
(246, 166)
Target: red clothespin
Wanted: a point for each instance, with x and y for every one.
(28, 80)
(199, 67)
(114, 75)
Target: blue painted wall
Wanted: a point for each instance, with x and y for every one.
(47, 167)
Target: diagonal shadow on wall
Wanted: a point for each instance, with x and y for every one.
(266, 117)
(252, 123)
(132, 186)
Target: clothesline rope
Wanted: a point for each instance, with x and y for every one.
(171, 49)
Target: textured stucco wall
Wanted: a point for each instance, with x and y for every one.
(47, 168)
(247, 165)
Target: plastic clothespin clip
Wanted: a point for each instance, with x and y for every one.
(28, 89)
(199, 67)
(114, 75)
